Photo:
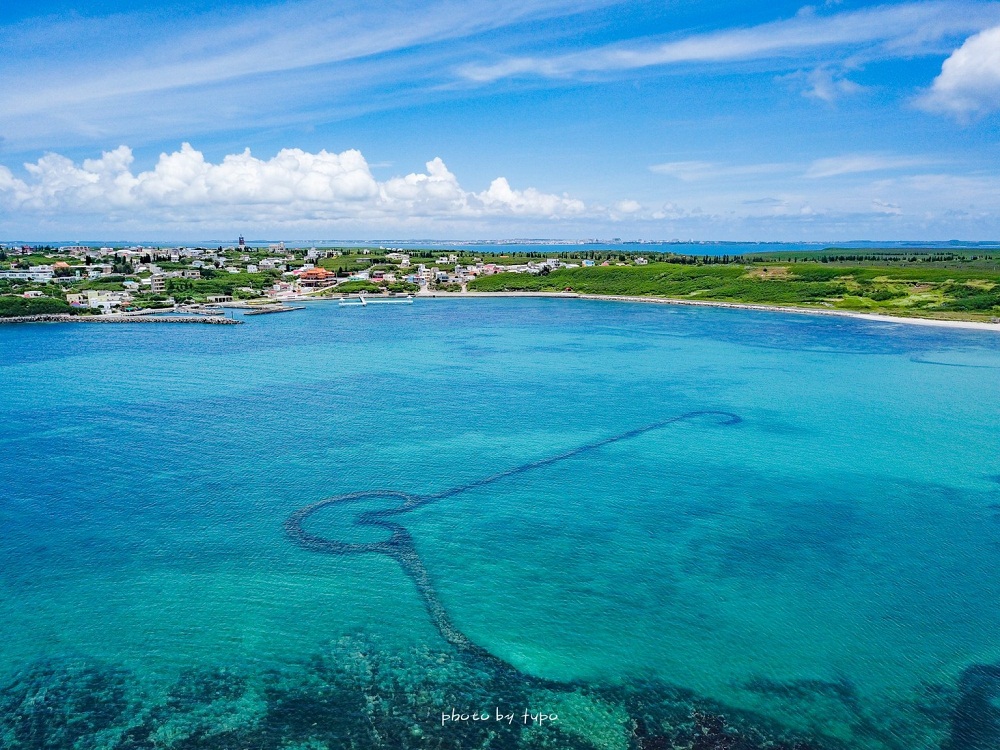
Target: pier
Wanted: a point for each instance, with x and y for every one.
(272, 309)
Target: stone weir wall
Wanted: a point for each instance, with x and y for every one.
(58, 318)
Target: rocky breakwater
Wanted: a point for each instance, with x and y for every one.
(58, 318)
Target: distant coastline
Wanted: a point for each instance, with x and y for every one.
(955, 288)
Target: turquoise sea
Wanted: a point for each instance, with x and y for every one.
(802, 551)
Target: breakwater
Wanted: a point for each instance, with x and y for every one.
(400, 547)
(120, 319)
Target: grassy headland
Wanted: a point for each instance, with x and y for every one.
(938, 287)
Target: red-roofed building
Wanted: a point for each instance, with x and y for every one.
(316, 277)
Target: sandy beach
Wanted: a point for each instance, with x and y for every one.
(875, 317)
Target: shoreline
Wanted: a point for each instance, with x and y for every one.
(873, 317)
(110, 319)
(213, 320)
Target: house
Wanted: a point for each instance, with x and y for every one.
(251, 268)
(33, 295)
(214, 299)
(99, 300)
(158, 283)
(641, 262)
(189, 273)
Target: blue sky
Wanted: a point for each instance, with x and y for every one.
(548, 118)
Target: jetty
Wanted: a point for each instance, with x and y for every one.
(364, 300)
(62, 318)
(272, 309)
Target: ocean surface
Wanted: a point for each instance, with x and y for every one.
(555, 247)
(789, 521)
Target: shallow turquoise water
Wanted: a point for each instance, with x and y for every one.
(845, 533)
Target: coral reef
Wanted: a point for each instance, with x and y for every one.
(358, 694)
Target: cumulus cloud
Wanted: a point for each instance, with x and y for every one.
(969, 82)
(292, 186)
(628, 206)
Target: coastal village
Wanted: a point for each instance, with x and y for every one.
(86, 283)
(97, 280)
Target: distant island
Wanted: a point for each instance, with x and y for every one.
(934, 283)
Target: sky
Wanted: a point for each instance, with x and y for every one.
(467, 119)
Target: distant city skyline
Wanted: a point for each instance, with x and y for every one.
(708, 121)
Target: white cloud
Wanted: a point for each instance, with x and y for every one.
(692, 171)
(836, 166)
(969, 82)
(628, 206)
(828, 86)
(684, 170)
(502, 197)
(293, 186)
(884, 207)
(216, 47)
(74, 80)
(888, 30)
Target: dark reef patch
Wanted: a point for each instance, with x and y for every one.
(356, 694)
(71, 703)
(975, 721)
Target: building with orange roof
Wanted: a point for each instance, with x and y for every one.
(316, 277)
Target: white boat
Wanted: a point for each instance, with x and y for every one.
(364, 301)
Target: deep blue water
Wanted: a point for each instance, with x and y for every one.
(828, 565)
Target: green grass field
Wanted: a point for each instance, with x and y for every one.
(910, 289)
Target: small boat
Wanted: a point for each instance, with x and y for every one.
(364, 301)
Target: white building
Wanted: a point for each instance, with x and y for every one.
(35, 273)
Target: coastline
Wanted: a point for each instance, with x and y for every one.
(874, 317)
(211, 320)
(108, 319)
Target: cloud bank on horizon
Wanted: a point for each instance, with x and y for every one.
(600, 118)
